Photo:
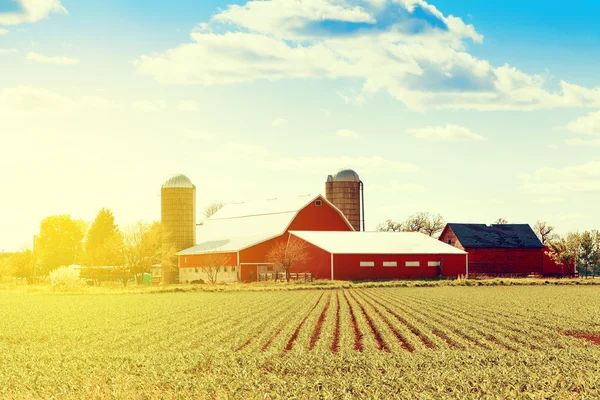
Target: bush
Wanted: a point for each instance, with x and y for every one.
(65, 278)
(197, 282)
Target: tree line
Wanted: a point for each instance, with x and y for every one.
(64, 241)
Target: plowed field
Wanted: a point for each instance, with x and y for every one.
(453, 342)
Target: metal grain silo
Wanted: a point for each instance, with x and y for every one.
(178, 219)
(345, 191)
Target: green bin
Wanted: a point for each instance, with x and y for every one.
(147, 279)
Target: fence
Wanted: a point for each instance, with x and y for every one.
(280, 276)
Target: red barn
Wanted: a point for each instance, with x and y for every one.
(238, 238)
(504, 249)
(242, 234)
(360, 256)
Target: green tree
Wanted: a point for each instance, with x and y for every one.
(565, 250)
(104, 242)
(59, 243)
(19, 264)
(144, 247)
(588, 252)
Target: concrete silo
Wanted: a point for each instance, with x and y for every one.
(345, 191)
(178, 219)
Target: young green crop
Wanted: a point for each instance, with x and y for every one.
(343, 343)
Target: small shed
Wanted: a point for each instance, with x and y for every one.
(501, 249)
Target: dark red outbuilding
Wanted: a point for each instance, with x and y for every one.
(503, 249)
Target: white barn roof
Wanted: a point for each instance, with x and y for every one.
(238, 226)
(376, 242)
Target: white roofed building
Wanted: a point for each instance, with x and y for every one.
(240, 235)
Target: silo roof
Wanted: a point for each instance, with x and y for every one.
(346, 175)
(178, 181)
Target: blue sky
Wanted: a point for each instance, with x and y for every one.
(475, 110)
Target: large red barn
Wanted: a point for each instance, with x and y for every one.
(243, 233)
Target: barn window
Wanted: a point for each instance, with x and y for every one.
(196, 270)
(367, 263)
(413, 264)
(434, 263)
(233, 269)
(224, 269)
(185, 260)
(449, 241)
(390, 263)
(318, 203)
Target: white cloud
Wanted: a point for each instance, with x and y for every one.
(288, 39)
(187, 105)
(556, 181)
(32, 11)
(51, 60)
(586, 125)
(7, 51)
(553, 146)
(279, 122)
(346, 133)
(27, 99)
(448, 132)
(3, 31)
(287, 18)
(583, 142)
(149, 106)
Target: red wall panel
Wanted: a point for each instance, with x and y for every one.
(347, 266)
(505, 261)
(319, 218)
(197, 260)
(318, 262)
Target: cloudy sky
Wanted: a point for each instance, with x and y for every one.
(472, 109)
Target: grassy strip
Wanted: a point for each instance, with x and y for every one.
(284, 286)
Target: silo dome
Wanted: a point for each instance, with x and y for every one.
(346, 175)
(178, 181)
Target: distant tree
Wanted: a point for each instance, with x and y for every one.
(435, 225)
(212, 208)
(390, 226)
(501, 221)
(588, 252)
(58, 242)
(104, 242)
(143, 247)
(7, 267)
(565, 250)
(543, 231)
(429, 224)
(212, 265)
(284, 255)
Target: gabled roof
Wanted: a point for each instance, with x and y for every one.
(504, 236)
(376, 242)
(238, 226)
